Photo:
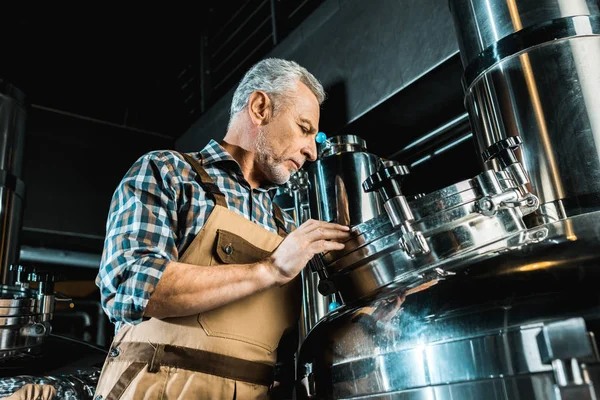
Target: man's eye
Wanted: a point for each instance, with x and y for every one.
(304, 129)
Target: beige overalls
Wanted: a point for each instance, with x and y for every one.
(226, 353)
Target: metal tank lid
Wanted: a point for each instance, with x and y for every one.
(341, 144)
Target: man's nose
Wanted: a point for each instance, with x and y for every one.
(310, 150)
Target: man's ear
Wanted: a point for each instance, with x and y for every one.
(260, 108)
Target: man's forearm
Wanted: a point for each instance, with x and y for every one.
(186, 289)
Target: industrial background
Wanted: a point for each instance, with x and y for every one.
(462, 148)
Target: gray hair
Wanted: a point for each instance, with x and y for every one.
(277, 78)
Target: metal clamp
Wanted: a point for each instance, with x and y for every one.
(489, 205)
(495, 197)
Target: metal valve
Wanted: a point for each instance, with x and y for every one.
(386, 182)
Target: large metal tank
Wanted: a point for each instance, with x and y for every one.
(532, 70)
(520, 324)
(486, 289)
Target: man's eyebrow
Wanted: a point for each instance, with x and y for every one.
(310, 125)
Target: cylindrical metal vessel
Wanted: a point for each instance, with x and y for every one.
(336, 193)
(12, 134)
(532, 69)
(452, 221)
(25, 316)
(517, 323)
(490, 309)
(481, 24)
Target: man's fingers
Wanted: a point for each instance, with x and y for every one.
(321, 246)
(315, 224)
(324, 233)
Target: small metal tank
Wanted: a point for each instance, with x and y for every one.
(335, 182)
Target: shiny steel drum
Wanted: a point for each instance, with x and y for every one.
(516, 323)
(336, 179)
(452, 222)
(24, 316)
(532, 69)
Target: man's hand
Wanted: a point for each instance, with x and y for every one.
(296, 250)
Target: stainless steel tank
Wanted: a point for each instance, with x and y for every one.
(460, 293)
(532, 69)
(520, 323)
(336, 178)
(455, 225)
(25, 316)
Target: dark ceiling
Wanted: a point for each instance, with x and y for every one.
(152, 70)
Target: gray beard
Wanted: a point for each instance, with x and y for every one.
(271, 167)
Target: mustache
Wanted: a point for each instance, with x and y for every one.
(299, 163)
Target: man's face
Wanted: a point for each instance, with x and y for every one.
(288, 139)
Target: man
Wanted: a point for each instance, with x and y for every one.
(199, 273)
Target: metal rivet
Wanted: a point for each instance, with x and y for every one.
(114, 352)
(228, 249)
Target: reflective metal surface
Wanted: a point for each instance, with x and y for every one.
(493, 330)
(480, 24)
(521, 81)
(497, 309)
(560, 128)
(341, 144)
(454, 226)
(25, 316)
(336, 186)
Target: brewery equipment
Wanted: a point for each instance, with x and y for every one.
(28, 353)
(531, 70)
(485, 289)
(25, 313)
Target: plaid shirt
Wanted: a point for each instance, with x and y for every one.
(156, 212)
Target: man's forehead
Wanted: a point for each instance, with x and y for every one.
(307, 101)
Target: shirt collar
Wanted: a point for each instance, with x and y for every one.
(214, 153)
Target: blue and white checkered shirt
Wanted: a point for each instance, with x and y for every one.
(156, 212)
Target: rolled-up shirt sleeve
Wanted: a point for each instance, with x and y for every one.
(140, 238)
